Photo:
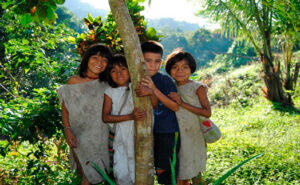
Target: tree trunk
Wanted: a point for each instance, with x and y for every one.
(137, 69)
(287, 52)
(274, 87)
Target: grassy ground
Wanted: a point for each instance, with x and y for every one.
(252, 130)
(250, 125)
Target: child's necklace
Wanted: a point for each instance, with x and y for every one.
(93, 78)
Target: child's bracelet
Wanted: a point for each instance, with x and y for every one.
(67, 128)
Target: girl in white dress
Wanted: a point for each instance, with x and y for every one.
(118, 109)
(192, 100)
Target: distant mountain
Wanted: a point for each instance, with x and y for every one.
(81, 9)
(171, 24)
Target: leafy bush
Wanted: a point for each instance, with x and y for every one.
(30, 119)
(35, 56)
(236, 86)
(35, 164)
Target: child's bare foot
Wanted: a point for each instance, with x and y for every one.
(84, 181)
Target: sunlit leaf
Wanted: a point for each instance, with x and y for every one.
(151, 32)
(90, 18)
(26, 18)
(59, 1)
(51, 14)
(71, 39)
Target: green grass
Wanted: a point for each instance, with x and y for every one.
(251, 125)
(253, 130)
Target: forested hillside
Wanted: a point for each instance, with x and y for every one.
(82, 9)
(204, 44)
(167, 24)
(38, 55)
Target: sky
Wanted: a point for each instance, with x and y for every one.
(180, 10)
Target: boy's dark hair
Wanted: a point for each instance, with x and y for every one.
(119, 60)
(100, 49)
(153, 47)
(178, 55)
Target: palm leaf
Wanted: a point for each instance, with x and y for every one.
(173, 161)
(231, 171)
(105, 177)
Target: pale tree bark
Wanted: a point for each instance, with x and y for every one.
(137, 69)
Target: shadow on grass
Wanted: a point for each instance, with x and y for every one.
(292, 110)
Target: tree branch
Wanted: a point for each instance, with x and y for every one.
(262, 26)
(7, 72)
(7, 91)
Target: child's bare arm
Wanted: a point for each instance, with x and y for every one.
(202, 95)
(71, 139)
(160, 96)
(106, 113)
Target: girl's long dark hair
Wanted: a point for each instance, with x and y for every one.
(100, 49)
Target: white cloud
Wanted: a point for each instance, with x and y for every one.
(180, 10)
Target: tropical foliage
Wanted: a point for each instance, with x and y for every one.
(259, 22)
(106, 32)
(36, 56)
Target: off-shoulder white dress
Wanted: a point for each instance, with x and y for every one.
(124, 154)
(84, 103)
(192, 154)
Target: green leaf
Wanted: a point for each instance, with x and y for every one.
(231, 171)
(25, 41)
(97, 21)
(151, 32)
(71, 40)
(173, 161)
(27, 70)
(59, 1)
(90, 18)
(26, 18)
(42, 11)
(51, 14)
(105, 177)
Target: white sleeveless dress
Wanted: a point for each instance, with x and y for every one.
(192, 154)
(84, 103)
(124, 154)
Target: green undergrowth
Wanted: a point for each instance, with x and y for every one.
(238, 85)
(251, 125)
(252, 130)
(21, 166)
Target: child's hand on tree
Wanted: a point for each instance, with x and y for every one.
(139, 114)
(176, 97)
(147, 81)
(143, 90)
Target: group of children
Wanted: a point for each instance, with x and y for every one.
(172, 114)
